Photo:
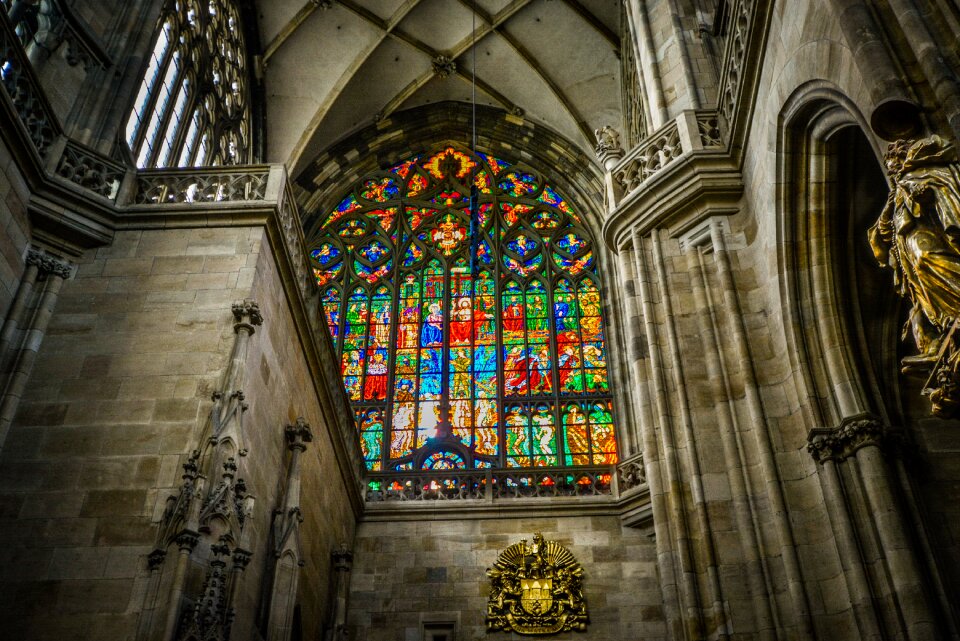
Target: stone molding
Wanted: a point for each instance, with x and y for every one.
(49, 265)
(841, 442)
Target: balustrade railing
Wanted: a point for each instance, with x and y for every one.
(28, 98)
(488, 485)
(691, 131)
(87, 168)
(201, 185)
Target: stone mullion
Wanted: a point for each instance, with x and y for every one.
(22, 363)
(768, 464)
(717, 374)
(647, 62)
(691, 617)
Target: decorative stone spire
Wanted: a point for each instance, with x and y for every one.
(609, 151)
(211, 618)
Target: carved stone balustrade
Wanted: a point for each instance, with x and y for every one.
(488, 485)
(686, 161)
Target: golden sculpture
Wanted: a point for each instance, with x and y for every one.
(918, 236)
(536, 589)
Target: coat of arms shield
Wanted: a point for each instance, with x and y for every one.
(536, 588)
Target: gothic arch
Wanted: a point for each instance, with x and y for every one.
(823, 148)
(401, 257)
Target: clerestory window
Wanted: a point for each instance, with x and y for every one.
(469, 336)
(192, 108)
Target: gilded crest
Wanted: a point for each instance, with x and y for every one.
(536, 588)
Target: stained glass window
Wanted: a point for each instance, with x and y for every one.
(192, 107)
(469, 336)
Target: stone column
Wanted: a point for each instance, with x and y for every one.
(342, 566)
(765, 450)
(854, 572)
(895, 114)
(287, 556)
(859, 441)
(55, 271)
(15, 316)
(726, 423)
(691, 613)
(186, 542)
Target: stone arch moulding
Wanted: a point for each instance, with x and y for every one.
(820, 341)
(404, 233)
(320, 183)
(320, 180)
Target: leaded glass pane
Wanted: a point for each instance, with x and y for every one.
(467, 338)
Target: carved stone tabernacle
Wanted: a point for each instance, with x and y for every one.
(536, 589)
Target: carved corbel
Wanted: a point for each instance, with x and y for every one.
(840, 443)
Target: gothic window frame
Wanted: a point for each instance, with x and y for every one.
(360, 223)
(193, 103)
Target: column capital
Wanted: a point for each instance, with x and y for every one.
(246, 314)
(841, 442)
(298, 435)
(47, 264)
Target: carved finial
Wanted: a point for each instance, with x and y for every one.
(342, 558)
(444, 66)
(246, 313)
(299, 434)
(155, 559)
(608, 140)
(609, 151)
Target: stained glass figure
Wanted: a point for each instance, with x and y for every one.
(453, 360)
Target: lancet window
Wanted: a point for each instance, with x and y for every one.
(470, 335)
(192, 108)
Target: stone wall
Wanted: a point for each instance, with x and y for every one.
(281, 389)
(14, 226)
(409, 572)
(118, 398)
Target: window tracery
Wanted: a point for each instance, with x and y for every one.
(192, 108)
(466, 341)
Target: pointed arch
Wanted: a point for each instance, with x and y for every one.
(484, 320)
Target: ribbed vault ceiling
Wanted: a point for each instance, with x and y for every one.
(332, 71)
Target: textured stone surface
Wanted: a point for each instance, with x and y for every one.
(407, 572)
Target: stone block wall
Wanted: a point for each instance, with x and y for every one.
(280, 389)
(119, 396)
(410, 572)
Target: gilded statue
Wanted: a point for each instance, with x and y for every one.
(918, 236)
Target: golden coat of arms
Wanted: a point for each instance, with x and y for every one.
(536, 589)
